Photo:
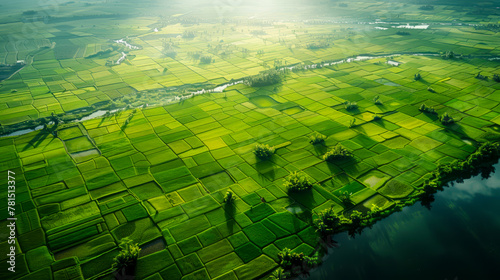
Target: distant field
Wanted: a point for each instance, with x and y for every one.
(72, 69)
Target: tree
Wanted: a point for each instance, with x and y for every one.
(205, 59)
(43, 122)
(352, 123)
(54, 118)
(297, 182)
(126, 260)
(417, 77)
(317, 138)
(263, 151)
(446, 119)
(328, 222)
(228, 198)
(345, 197)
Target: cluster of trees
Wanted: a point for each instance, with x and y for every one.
(445, 119)
(224, 49)
(265, 78)
(495, 77)
(491, 27)
(317, 138)
(450, 55)
(426, 8)
(417, 77)
(263, 151)
(479, 162)
(337, 153)
(350, 105)
(124, 263)
(297, 182)
(403, 33)
(481, 77)
(293, 264)
(315, 46)
(206, 59)
(169, 49)
(188, 34)
(329, 223)
(426, 109)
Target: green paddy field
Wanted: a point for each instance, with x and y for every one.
(156, 170)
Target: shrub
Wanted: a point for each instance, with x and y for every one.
(317, 138)
(350, 105)
(328, 222)
(127, 257)
(376, 117)
(338, 152)
(352, 123)
(377, 100)
(496, 78)
(446, 119)
(431, 90)
(297, 182)
(263, 151)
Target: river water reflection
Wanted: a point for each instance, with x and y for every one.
(459, 238)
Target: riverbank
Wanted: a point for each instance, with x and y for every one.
(454, 239)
